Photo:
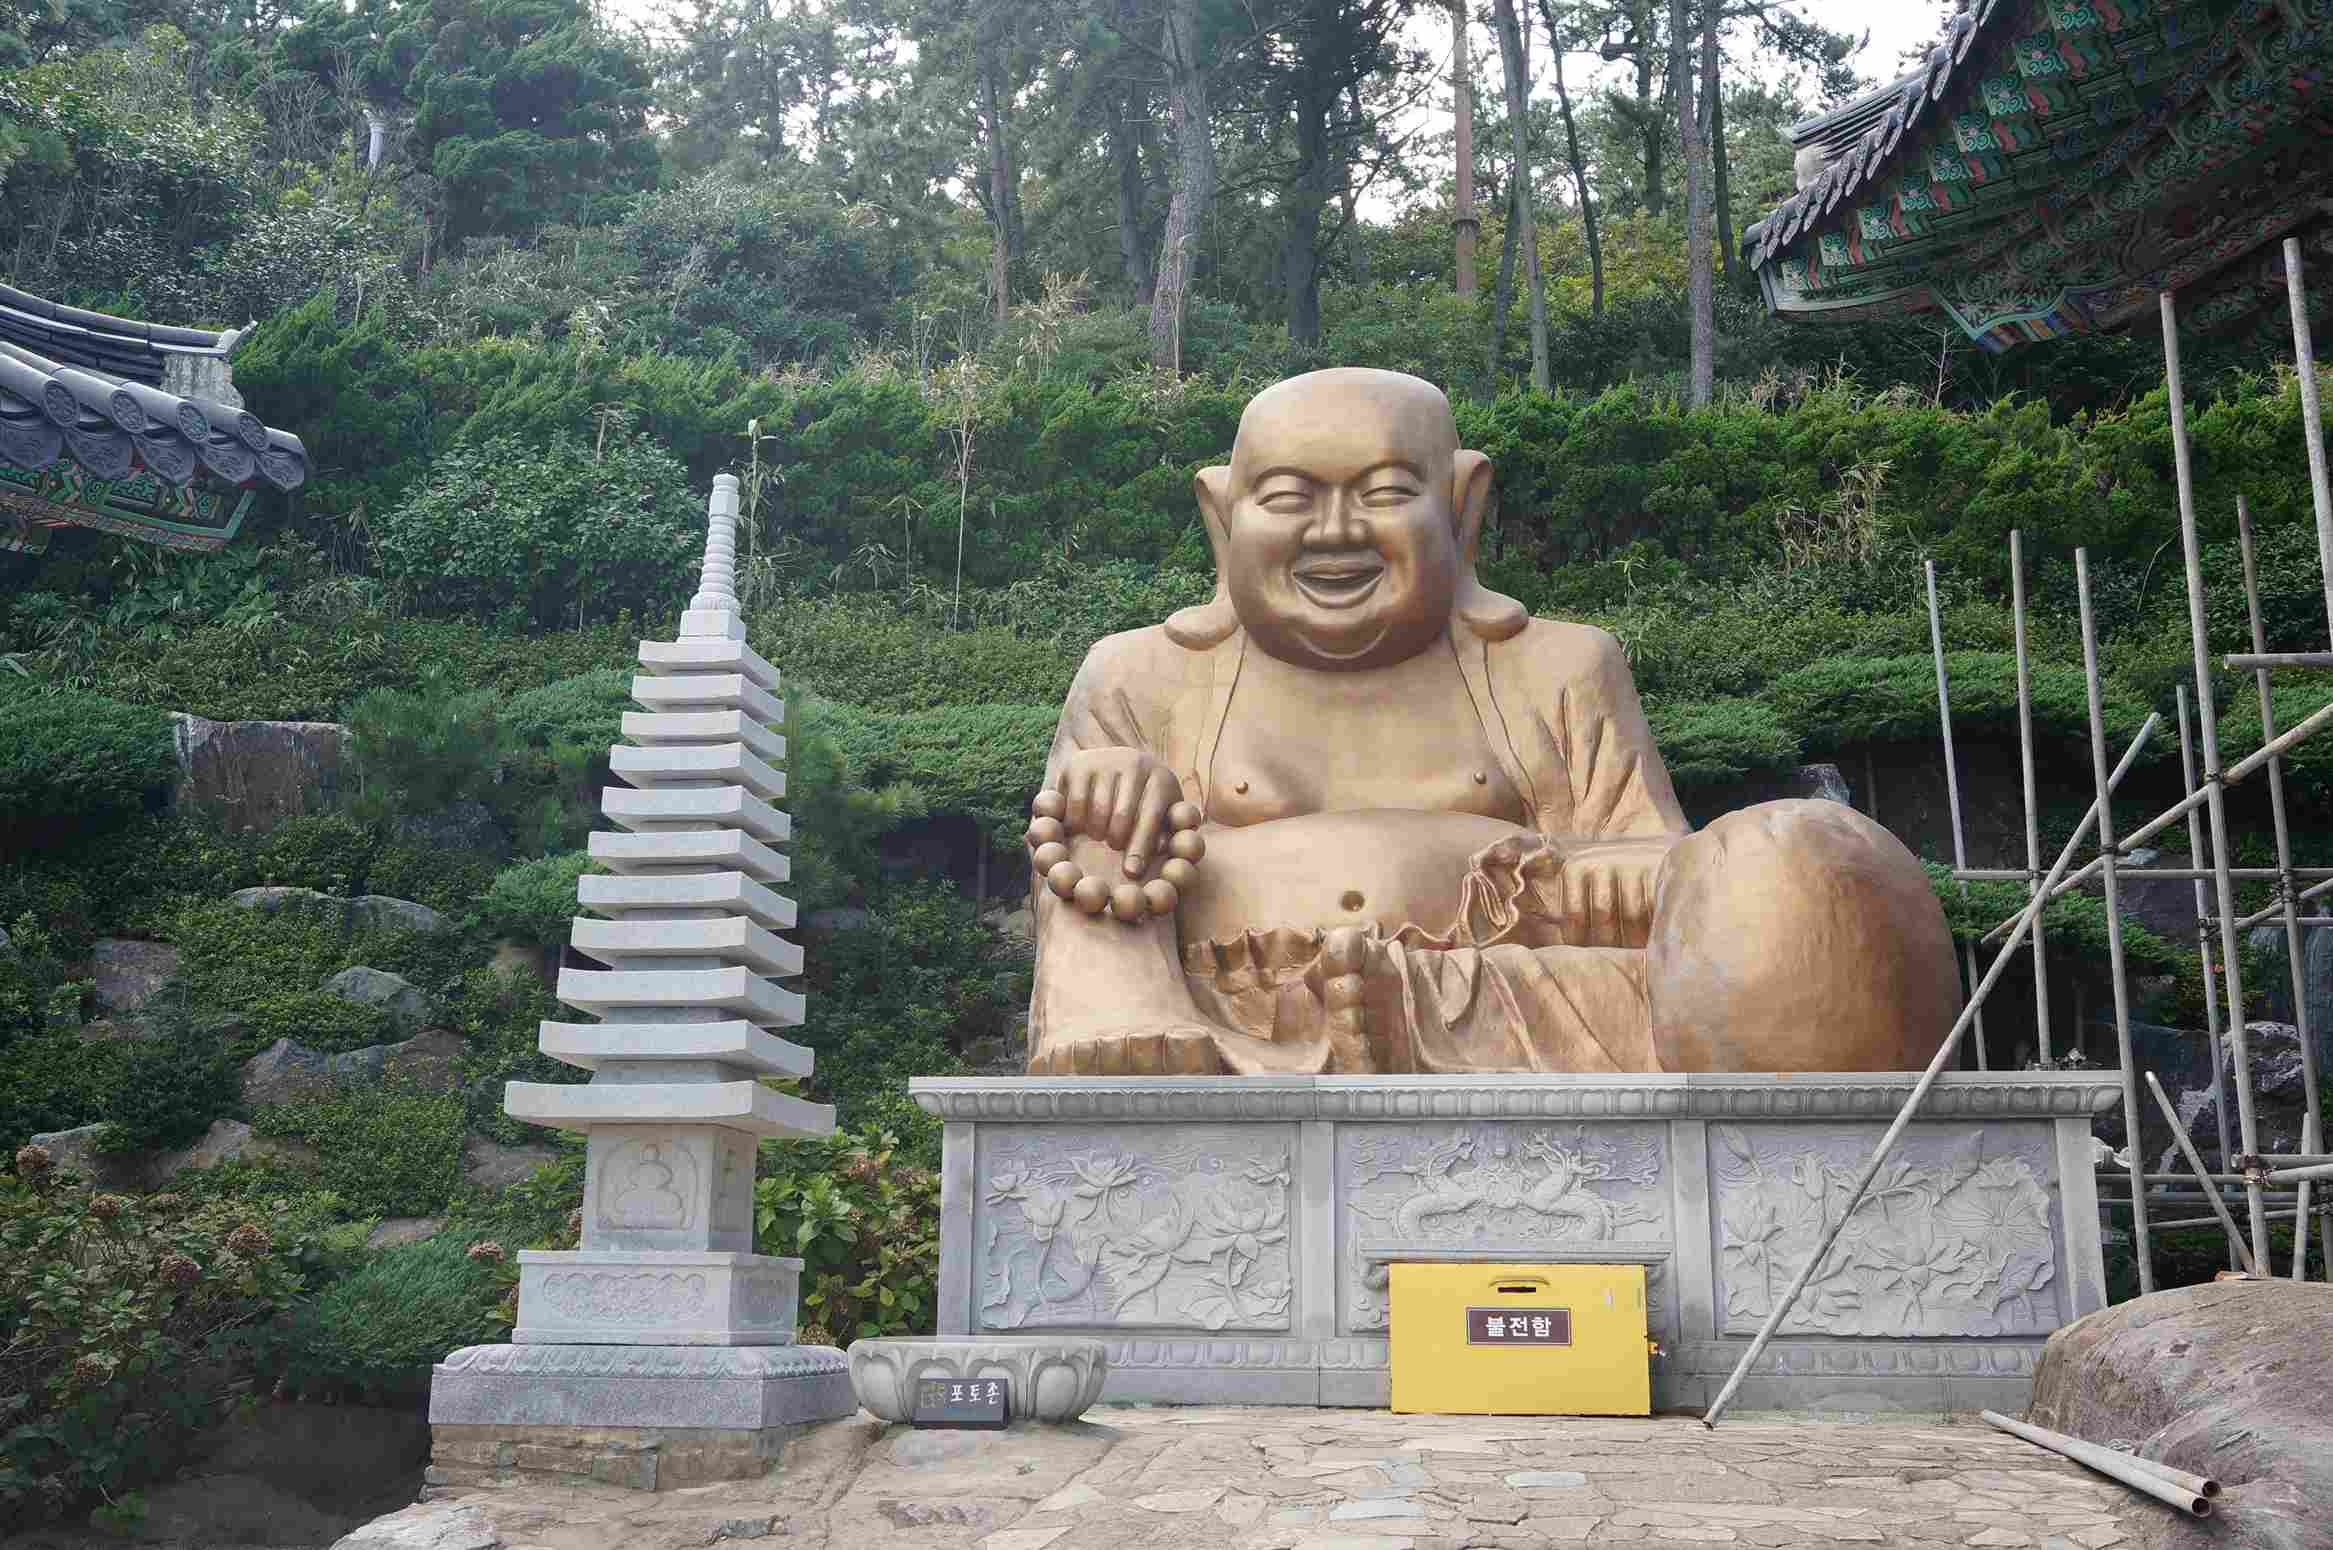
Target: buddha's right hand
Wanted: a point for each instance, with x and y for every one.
(1131, 801)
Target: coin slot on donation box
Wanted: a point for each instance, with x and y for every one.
(1520, 1340)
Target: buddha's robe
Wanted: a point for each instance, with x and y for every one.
(1509, 984)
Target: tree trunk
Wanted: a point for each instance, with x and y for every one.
(1194, 186)
(1000, 185)
(1504, 297)
(1518, 121)
(1571, 133)
(1126, 150)
(1719, 178)
(1692, 134)
(1656, 197)
(1463, 221)
(1308, 194)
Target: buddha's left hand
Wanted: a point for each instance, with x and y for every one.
(1606, 890)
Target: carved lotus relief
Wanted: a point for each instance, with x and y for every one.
(1076, 1229)
(1490, 1187)
(1947, 1241)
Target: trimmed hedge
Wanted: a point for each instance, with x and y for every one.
(71, 763)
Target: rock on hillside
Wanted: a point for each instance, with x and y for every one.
(252, 775)
(406, 1003)
(366, 912)
(2232, 1380)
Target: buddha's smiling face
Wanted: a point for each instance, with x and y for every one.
(1341, 547)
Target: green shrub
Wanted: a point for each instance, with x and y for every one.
(550, 533)
(1844, 702)
(168, 1092)
(985, 761)
(534, 901)
(421, 750)
(118, 1311)
(329, 852)
(56, 1081)
(866, 1226)
(447, 881)
(316, 1018)
(230, 957)
(380, 1329)
(387, 1150)
(1705, 742)
(71, 763)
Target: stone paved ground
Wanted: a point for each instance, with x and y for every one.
(1265, 1479)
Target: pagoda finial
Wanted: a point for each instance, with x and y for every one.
(714, 610)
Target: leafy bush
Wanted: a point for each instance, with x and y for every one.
(386, 1150)
(534, 901)
(422, 750)
(1705, 742)
(983, 760)
(316, 1018)
(118, 1310)
(168, 1092)
(552, 533)
(70, 763)
(380, 1329)
(866, 1227)
(448, 881)
(55, 1081)
(1844, 702)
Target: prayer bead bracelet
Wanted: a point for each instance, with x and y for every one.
(1129, 901)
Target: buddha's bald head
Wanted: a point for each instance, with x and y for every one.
(1328, 418)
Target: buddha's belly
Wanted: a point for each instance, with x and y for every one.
(1383, 867)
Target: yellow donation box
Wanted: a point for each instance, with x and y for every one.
(1520, 1340)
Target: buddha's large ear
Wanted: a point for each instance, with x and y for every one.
(1212, 622)
(1490, 615)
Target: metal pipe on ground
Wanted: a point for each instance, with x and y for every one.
(1968, 954)
(1936, 1064)
(2135, 1473)
(2187, 1148)
(2114, 953)
(2294, 959)
(2208, 739)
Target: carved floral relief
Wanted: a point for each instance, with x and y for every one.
(1954, 1236)
(1182, 1227)
(641, 1297)
(1490, 1186)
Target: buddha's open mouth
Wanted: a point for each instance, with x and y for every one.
(1340, 582)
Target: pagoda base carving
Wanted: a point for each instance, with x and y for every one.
(1228, 1238)
(655, 1298)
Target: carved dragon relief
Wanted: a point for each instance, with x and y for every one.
(1948, 1241)
(1491, 1186)
(1077, 1230)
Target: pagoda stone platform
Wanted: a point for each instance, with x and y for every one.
(1228, 1238)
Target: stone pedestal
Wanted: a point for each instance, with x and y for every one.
(665, 1329)
(1228, 1238)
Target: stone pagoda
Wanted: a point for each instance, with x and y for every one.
(662, 1350)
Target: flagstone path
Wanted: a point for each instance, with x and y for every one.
(1262, 1479)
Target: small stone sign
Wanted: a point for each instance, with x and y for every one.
(971, 1402)
(1518, 1326)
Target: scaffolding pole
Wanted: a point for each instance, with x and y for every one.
(1968, 954)
(2203, 946)
(2130, 1080)
(2207, 720)
(2032, 800)
(2296, 962)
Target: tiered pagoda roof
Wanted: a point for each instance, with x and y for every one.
(2055, 163)
(129, 427)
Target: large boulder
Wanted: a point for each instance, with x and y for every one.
(491, 1166)
(252, 775)
(130, 984)
(229, 1140)
(367, 912)
(405, 1002)
(2272, 997)
(81, 1150)
(285, 1072)
(2277, 1094)
(2233, 1380)
(431, 1061)
(2181, 1061)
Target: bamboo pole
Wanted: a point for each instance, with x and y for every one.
(2219, 1207)
(1936, 1064)
(2152, 874)
(2296, 964)
(2188, 1222)
(2266, 658)
(2207, 721)
(2203, 944)
(1968, 953)
(2296, 294)
(2130, 1079)
(2032, 802)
